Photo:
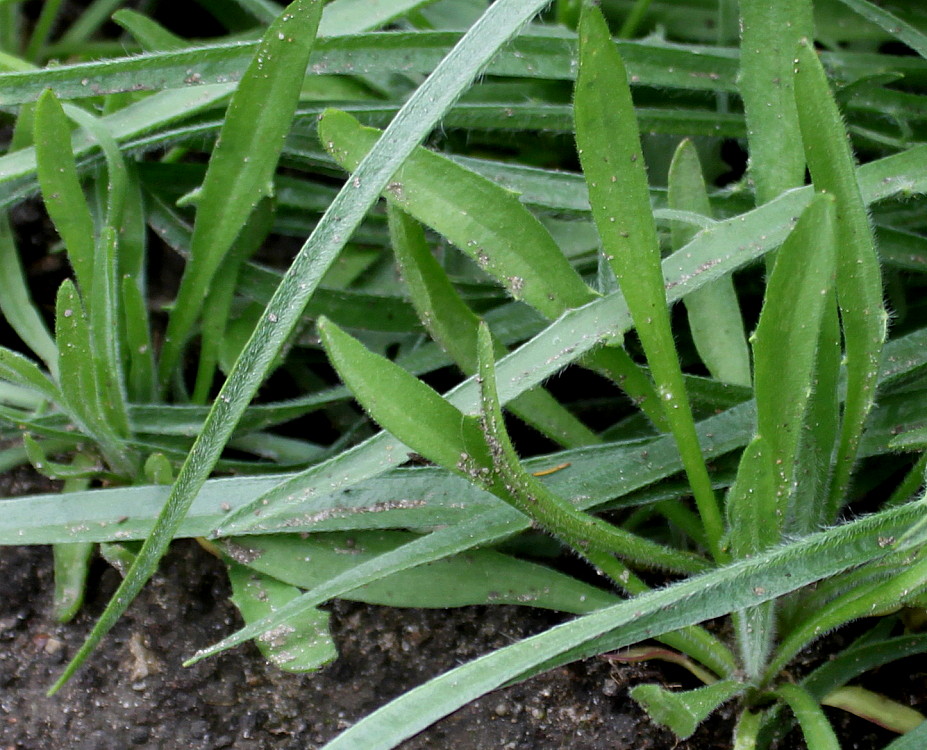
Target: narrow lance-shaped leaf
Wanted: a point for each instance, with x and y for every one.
(117, 172)
(483, 219)
(418, 115)
(588, 535)
(821, 428)
(104, 319)
(76, 370)
(403, 404)
(222, 292)
(751, 513)
(480, 576)
(494, 228)
(815, 727)
(769, 33)
(786, 340)
(72, 561)
(859, 282)
(732, 587)
(61, 189)
(243, 162)
(714, 313)
(454, 326)
(609, 149)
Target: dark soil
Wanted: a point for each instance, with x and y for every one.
(134, 693)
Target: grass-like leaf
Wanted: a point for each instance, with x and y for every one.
(403, 404)
(796, 296)
(769, 34)
(480, 576)
(859, 282)
(242, 164)
(895, 26)
(714, 313)
(454, 325)
(609, 150)
(417, 117)
(61, 189)
(732, 587)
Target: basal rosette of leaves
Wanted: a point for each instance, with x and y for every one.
(758, 447)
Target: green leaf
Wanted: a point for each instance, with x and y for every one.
(72, 563)
(454, 326)
(895, 26)
(751, 513)
(61, 190)
(419, 114)
(150, 34)
(588, 535)
(481, 576)
(609, 149)
(859, 284)
(769, 35)
(751, 502)
(303, 644)
(76, 365)
(243, 162)
(117, 185)
(820, 429)
(683, 711)
(485, 221)
(222, 291)
(714, 313)
(786, 340)
(16, 368)
(141, 382)
(158, 469)
(403, 404)
(815, 727)
(105, 315)
(721, 591)
(344, 17)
